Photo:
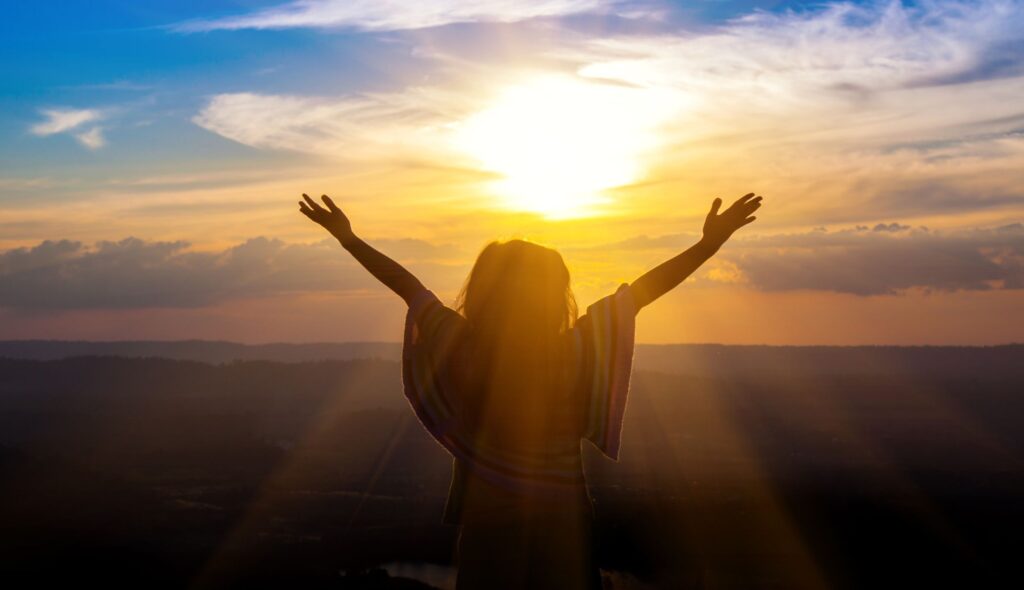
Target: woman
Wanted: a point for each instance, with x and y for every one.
(509, 381)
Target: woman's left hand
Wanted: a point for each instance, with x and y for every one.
(332, 218)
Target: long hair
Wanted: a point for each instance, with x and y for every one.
(519, 303)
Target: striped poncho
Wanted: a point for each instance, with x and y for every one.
(601, 345)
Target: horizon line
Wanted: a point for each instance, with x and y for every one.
(399, 343)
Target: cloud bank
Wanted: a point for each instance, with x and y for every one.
(134, 273)
(884, 259)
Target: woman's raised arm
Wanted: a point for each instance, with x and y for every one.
(717, 229)
(386, 270)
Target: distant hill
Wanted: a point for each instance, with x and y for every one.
(684, 359)
(207, 351)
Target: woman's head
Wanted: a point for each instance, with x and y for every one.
(518, 285)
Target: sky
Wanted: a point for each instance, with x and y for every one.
(152, 155)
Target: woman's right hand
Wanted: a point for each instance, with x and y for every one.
(719, 227)
(332, 219)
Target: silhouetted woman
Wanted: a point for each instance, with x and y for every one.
(510, 380)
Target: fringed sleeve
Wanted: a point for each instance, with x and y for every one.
(604, 339)
(431, 333)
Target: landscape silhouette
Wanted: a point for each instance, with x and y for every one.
(741, 467)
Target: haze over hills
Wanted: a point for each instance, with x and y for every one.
(207, 351)
(712, 359)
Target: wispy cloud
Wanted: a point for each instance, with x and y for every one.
(352, 127)
(71, 121)
(92, 139)
(61, 120)
(844, 59)
(873, 44)
(391, 15)
(126, 85)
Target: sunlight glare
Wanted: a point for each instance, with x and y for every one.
(558, 143)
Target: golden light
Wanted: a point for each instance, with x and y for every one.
(559, 143)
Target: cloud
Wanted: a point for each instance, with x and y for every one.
(352, 127)
(61, 120)
(135, 273)
(69, 120)
(890, 227)
(886, 259)
(391, 15)
(92, 139)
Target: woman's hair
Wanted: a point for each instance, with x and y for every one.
(518, 302)
(521, 283)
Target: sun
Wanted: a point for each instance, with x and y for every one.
(558, 143)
